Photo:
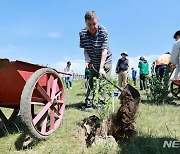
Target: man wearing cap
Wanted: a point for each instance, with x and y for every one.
(94, 41)
(122, 69)
(175, 55)
(143, 71)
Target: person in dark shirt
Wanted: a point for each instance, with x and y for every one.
(122, 70)
(86, 73)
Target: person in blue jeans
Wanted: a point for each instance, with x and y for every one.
(68, 78)
(68, 81)
(134, 72)
(161, 65)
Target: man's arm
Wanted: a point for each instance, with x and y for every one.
(116, 70)
(103, 58)
(174, 54)
(86, 56)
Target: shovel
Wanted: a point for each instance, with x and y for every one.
(135, 94)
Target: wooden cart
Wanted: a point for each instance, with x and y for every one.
(36, 91)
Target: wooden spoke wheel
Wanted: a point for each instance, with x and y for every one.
(175, 89)
(42, 103)
(7, 119)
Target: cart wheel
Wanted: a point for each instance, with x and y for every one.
(6, 121)
(175, 90)
(42, 103)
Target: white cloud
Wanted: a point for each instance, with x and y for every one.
(79, 65)
(54, 34)
(135, 60)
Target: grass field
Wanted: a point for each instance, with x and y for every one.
(155, 124)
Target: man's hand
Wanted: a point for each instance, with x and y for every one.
(88, 65)
(172, 67)
(102, 73)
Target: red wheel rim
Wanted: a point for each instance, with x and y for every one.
(47, 104)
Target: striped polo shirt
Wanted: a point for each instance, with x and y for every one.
(95, 45)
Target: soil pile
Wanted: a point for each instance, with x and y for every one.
(120, 126)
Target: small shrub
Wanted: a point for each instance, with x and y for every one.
(159, 90)
(103, 91)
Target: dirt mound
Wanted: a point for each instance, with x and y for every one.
(120, 126)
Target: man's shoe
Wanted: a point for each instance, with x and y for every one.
(86, 107)
(88, 104)
(101, 102)
(89, 107)
(101, 105)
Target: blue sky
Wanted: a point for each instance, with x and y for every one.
(47, 31)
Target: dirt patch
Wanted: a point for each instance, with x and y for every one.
(120, 126)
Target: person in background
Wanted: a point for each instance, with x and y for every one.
(122, 70)
(86, 76)
(161, 64)
(86, 73)
(175, 55)
(94, 41)
(143, 71)
(134, 72)
(68, 78)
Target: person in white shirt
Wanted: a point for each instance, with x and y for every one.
(175, 55)
(68, 78)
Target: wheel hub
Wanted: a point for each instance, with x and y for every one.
(55, 101)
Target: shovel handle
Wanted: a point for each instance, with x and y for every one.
(113, 84)
(104, 77)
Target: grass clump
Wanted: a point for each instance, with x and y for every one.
(155, 124)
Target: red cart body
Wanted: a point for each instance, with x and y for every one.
(13, 76)
(28, 86)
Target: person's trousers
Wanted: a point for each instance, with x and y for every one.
(143, 85)
(122, 78)
(68, 81)
(160, 71)
(92, 74)
(134, 79)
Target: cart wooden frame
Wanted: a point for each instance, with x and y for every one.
(36, 91)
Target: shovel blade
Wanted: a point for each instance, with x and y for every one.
(135, 94)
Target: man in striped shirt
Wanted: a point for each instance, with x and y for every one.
(94, 40)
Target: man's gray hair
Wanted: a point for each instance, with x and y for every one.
(90, 15)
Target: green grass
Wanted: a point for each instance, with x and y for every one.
(154, 124)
